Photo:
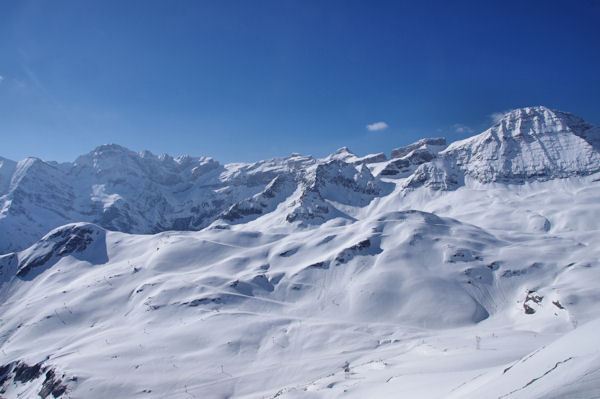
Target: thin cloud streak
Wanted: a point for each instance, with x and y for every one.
(497, 116)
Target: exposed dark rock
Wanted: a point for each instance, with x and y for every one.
(35, 262)
(494, 266)
(373, 158)
(309, 207)
(364, 247)
(408, 162)
(531, 297)
(289, 252)
(461, 255)
(203, 301)
(52, 385)
(266, 201)
(361, 245)
(318, 265)
(402, 151)
(20, 372)
(238, 212)
(436, 175)
(513, 273)
(528, 309)
(4, 373)
(68, 240)
(24, 373)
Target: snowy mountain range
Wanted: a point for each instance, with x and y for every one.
(467, 270)
(141, 193)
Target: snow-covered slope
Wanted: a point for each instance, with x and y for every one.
(421, 276)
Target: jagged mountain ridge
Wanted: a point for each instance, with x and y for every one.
(121, 190)
(143, 193)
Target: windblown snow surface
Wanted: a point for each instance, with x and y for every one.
(467, 271)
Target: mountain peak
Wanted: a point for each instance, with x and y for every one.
(342, 154)
(104, 153)
(433, 143)
(531, 142)
(540, 119)
(110, 148)
(343, 150)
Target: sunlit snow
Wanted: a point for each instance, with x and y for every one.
(469, 271)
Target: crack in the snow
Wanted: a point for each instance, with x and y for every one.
(537, 378)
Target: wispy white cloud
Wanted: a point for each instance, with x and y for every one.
(373, 127)
(1, 78)
(460, 128)
(497, 116)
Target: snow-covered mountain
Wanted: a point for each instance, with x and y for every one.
(121, 190)
(527, 144)
(467, 270)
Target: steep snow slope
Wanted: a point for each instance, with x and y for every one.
(313, 278)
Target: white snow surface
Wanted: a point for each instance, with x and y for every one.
(453, 275)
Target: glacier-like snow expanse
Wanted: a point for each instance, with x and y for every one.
(462, 271)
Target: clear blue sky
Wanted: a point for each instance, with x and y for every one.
(247, 80)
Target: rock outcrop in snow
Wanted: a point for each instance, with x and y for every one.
(333, 181)
(433, 144)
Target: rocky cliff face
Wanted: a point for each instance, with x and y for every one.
(434, 144)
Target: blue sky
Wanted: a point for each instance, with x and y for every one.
(248, 80)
